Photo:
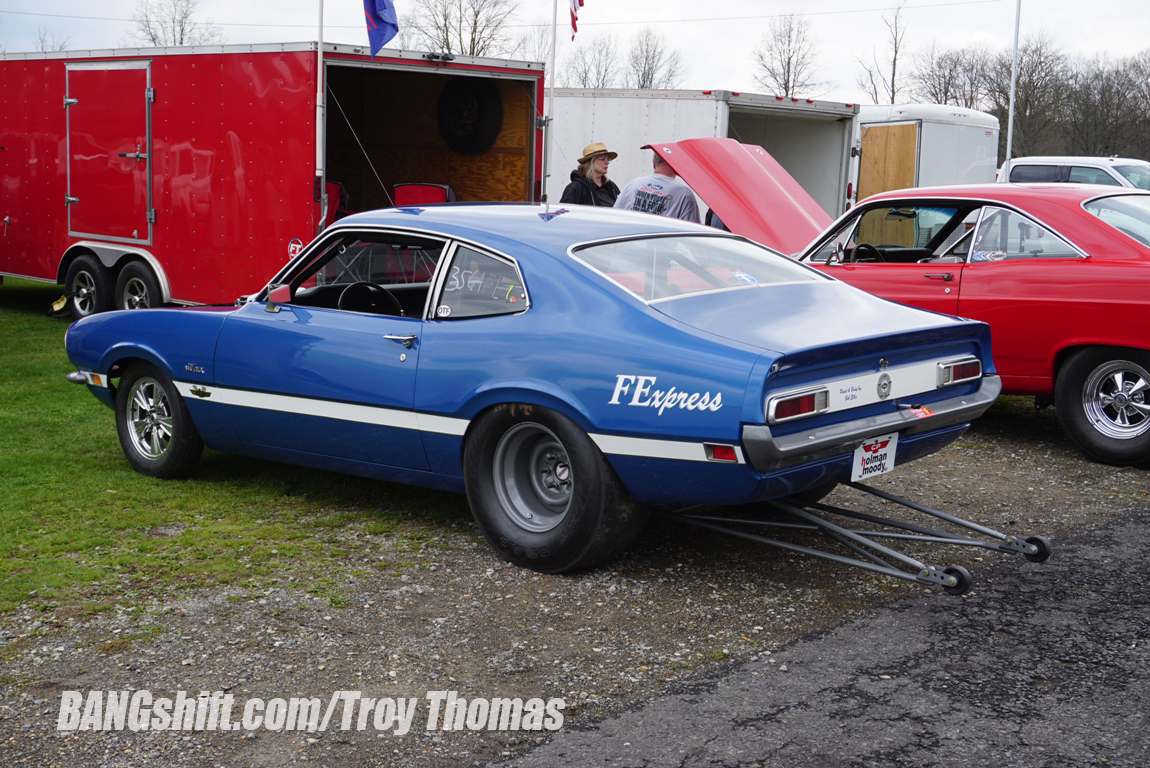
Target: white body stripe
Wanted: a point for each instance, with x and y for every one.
(657, 449)
(422, 422)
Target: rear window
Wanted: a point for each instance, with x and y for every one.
(1137, 175)
(1129, 214)
(655, 268)
(1034, 172)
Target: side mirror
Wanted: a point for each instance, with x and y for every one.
(278, 294)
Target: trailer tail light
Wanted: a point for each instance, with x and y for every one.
(797, 405)
(958, 371)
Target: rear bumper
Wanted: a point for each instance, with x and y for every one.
(766, 452)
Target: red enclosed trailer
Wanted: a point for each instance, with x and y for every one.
(143, 176)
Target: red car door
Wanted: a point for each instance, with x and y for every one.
(926, 286)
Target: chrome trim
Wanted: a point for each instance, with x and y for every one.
(943, 365)
(766, 452)
(774, 400)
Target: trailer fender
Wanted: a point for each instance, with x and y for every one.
(114, 258)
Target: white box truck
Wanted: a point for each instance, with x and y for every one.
(810, 139)
(920, 145)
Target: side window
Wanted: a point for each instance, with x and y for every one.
(1005, 234)
(1081, 175)
(385, 273)
(1034, 172)
(480, 285)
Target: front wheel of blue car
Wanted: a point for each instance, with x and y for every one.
(543, 494)
(155, 430)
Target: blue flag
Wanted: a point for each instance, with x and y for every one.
(382, 23)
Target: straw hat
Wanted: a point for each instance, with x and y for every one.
(594, 149)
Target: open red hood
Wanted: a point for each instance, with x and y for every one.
(749, 190)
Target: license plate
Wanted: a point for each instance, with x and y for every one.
(874, 457)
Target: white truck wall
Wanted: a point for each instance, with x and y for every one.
(813, 151)
(811, 141)
(957, 154)
(624, 124)
(955, 145)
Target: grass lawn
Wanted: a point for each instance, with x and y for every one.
(80, 530)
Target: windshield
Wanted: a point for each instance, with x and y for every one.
(1137, 175)
(655, 268)
(1129, 214)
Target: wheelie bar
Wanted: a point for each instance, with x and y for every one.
(870, 554)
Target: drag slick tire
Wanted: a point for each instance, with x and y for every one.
(1102, 397)
(155, 430)
(543, 494)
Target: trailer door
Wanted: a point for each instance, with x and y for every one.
(109, 151)
(888, 158)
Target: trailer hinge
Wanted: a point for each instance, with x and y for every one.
(542, 121)
(150, 94)
(70, 102)
(69, 200)
(151, 216)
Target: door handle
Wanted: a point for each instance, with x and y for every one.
(406, 340)
(946, 277)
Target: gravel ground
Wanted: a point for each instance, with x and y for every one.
(682, 604)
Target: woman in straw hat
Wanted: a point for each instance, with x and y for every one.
(589, 183)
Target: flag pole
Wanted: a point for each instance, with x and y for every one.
(1013, 88)
(320, 98)
(547, 146)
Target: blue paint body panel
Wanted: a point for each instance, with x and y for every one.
(655, 383)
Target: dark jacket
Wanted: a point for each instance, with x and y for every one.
(583, 191)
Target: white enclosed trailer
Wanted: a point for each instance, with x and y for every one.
(920, 145)
(810, 139)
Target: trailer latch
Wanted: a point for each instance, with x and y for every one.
(137, 155)
(69, 200)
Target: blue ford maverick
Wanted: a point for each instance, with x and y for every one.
(568, 369)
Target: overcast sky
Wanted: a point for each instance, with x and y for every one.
(714, 38)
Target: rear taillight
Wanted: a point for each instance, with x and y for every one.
(958, 371)
(796, 405)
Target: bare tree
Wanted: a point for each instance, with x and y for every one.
(650, 64)
(881, 80)
(956, 77)
(785, 58)
(46, 40)
(535, 43)
(1042, 84)
(172, 22)
(1102, 114)
(595, 65)
(464, 27)
(1141, 65)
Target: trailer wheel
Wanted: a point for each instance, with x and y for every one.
(137, 287)
(88, 286)
(470, 114)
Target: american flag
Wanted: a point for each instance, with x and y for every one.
(575, 6)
